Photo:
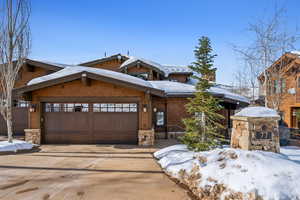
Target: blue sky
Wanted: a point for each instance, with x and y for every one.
(165, 31)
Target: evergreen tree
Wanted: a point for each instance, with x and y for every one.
(203, 126)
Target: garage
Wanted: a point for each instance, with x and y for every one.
(90, 123)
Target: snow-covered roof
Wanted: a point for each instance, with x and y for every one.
(166, 69)
(295, 52)
(257, 111)
(73, 69)
(56, 64)
(177, 88)
(229, 95)
(171, 87)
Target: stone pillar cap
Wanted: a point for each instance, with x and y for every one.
(257, 112)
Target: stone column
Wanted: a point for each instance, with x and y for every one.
(33, 136)
(146, 137)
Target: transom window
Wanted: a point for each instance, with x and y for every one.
(114, 107)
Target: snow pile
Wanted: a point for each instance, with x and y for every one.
(234, 173)
(257, 111)
(17, 145)
(73, 69)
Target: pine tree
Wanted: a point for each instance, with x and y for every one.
(203, 126)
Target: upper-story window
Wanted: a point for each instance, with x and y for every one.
(276, 88)
(142, 75)
(282, 85)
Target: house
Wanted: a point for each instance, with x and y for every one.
(116, 99)
(282, 89)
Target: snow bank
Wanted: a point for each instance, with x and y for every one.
(257, 111)
(15, 146)
(268, 175)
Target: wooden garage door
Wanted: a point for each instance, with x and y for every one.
(90, 123)
(20, 119)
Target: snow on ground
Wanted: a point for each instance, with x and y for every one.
(272, 176)
(17, 145)
(257, 111)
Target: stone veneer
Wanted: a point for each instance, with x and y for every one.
(33, 136)
(255, 133)
(146, 137)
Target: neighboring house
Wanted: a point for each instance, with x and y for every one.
(117, 99)
(282, 91)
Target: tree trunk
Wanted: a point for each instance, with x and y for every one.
(266, 88)
(9, 120)
(203, 135)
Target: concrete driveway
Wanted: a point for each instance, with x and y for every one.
(86, 172)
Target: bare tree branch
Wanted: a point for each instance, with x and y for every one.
(271, 40)
(14, 49)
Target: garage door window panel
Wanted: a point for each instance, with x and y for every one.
(114, 107)
(52, 107)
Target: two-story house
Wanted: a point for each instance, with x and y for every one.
(280, 84)
(116, 99)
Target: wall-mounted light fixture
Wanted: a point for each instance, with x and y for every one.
(154, 109)
(32, 108)
(145, 108)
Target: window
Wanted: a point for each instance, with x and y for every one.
(282, 85)
(81, 107)
(52, 107)
(276, 88)
(142, 75)
(160, 119)
(114, 107)
(67, 107)
(22, 104)
(298, 85)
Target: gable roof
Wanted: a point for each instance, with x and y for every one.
(166, 70)
(73, 72)
(45, 64)
(105, 59)
(293, 55)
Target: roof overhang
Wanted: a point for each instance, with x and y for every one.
(219, 96)
(143, 64)
(48, 66)
(99, 61)
(65, 79)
